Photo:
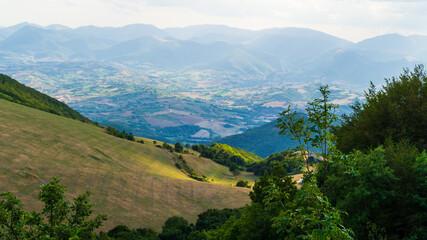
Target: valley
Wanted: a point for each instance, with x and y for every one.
(197, 84)
(190, 106)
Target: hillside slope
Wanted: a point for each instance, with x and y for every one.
(263, 140)
(135, 184)
(14, 91)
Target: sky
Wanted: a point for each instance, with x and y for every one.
(353, 20)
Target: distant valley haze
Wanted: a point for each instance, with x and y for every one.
(203, 70)
(198, 83)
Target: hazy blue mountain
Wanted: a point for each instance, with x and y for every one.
(352, 68)
(305, 33)
(243, 62)
(7, 31)
(294, 47)
(300, 53)
(392, 47)
(36, 42)
(84, 47)
(166, 52)
(119, 34)
(212, 33)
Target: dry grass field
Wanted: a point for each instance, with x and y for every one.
(135, 184)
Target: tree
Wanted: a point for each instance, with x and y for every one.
(279, 211)
(175, 228)
(384, 191)
(234, 168)
(213, 218)
(321, 116)
(315, 131)
(397, 111)
(64, 220)
(167, 146)
(310, 216)
(178, 147)
(118, 230)
(280, 180)
(298, 128)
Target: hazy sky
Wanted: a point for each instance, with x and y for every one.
(350, 19)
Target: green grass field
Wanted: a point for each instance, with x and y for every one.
(135, 184)
(219, 174)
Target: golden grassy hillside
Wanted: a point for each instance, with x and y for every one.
(135, 184)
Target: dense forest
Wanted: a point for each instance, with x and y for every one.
(369, 182)
(14, 91)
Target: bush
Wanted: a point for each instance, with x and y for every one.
(242, 183)
(178, 147)
(167, 146)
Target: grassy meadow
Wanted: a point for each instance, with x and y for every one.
(219, 173)
(135, 184)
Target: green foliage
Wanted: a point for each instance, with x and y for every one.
(397, 111)
(321, 115)
(254, 223)
(242, 183)
(284, 158)
(315, 131)
(182, 165)
(278, 178)
(310, 216)
(14, 91)
(122, 232)
(279, 211)
(147, 233)
(226, 155)
(257, 219)
(175, 228)
(384, 191)
(298, 128)
(113, 131)
(178, 147)
(117, 230)
(63, 220)
(167, 147)
(213, 218)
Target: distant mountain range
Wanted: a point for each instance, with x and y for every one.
(200, 83)
(300, 54)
